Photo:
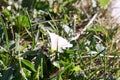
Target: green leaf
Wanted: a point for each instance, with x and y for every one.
(42, 5)
(67, 67)
(28, 64)
(103, 3)
(27, 72)
(41, 74)
(59, 77)
(97, 29)
(22, 21)
(6, 12)
(24, 46)
(76, 68)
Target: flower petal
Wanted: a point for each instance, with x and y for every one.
(58, 42)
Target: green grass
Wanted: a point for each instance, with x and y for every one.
(25, 46)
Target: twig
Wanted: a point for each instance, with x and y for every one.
(89, 23)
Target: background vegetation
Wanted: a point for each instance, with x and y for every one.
(25, 50)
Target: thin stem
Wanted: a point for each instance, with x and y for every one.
(6, 34)
(32, 33)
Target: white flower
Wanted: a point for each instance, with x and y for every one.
(58, 42)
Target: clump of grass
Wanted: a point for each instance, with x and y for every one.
(25, 46)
